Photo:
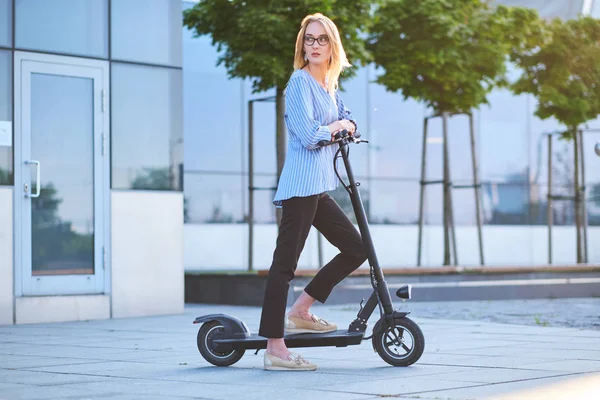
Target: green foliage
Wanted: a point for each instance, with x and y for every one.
(153, 179)
(5, 177)
(595, 194)
(564, 72)
(448, 53)
(44, 209)
(54, 242)
(256, 39)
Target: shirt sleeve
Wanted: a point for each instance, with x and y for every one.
(299, 114)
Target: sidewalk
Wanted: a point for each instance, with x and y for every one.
(157, 358)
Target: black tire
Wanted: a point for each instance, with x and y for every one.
(208, 332)
(386, 342)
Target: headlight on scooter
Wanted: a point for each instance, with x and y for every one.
(404, 292)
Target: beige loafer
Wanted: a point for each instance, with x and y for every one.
(316, 325)
(294, 362)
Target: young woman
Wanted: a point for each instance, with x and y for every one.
(314, 111)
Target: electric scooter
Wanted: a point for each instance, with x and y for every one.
(223, 339)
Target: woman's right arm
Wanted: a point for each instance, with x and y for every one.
(300, 116)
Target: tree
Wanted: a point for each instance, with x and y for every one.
(563, 73)
(448, 54)
(257, 40)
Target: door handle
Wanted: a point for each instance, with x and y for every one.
(37, 181)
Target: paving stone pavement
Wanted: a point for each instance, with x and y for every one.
(573, 312)
(157, 358)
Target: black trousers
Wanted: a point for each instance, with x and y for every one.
(299, 214)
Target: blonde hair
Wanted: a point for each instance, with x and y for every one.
(338, 60)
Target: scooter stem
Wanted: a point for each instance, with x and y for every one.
(363, 225)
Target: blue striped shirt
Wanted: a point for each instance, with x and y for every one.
(308, 169)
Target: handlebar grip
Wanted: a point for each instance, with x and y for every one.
(322, 143)
(341, 134)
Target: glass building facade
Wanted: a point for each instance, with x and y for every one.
(511, 149)
(145, 69)
(91, 147)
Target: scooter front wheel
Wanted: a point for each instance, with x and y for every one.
(401, 344)
(206, 335)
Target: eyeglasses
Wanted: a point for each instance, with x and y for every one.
(322, 40)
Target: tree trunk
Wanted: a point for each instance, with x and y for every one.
(577, 193)
(281, 142)
(446, 191)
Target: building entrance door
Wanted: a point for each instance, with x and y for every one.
(61, 174)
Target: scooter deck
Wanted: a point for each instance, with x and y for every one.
(339, 338)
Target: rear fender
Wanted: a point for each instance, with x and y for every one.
(234, 327)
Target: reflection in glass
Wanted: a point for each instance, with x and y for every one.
(353, 92)
(395, 134)
(341, 196)
(264, 210)
(146, 109)
(62, 218)
(143, 33)
(549, 9)
(65, 26)
(6, 160)
(205, 117)
(213, 198)
(6, 23)
(503, 135)
(508, 203)
(213, 106)
(265, 147)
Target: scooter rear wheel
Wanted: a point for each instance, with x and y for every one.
(400, 345)
(206, 335)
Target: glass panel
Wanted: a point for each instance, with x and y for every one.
(6, 131)
(549, 9)
(264, 210)
(595, 11)
(459, 149)
(393, 201)
(6, 23)
(539, 148)
(146, 108)
(341, 196)
(353, 92)
(592, 176)
(503, 137)
(204, 115)
(146, 33)
(214, 198)
(64, 26)
(507, 203)
(265, 141)
(62, 218)
(395, 134)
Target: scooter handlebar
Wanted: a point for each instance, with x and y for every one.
(342, 135)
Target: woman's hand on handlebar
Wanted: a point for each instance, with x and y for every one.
(340, 125)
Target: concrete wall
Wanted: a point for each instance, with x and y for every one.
(147, 253)
(42, 309)
(6, 255)
(225, 246)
